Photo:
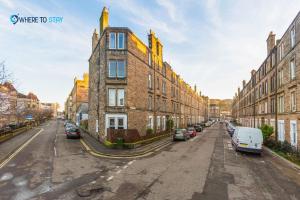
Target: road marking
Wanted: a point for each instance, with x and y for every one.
(20, 149)
(129, 163)
(125, 166)
(101, 176)
(55, 152)
(118, 172)
(110, 178)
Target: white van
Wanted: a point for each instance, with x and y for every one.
(247, 139)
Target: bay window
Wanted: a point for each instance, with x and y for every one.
(116, 69)
(116, 97)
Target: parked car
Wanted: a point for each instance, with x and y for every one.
(72, 132)
(230, 129)
(69, 126)
(247, 139)
(191, 131)
(181, 134)
(66, 122)
(208, 123)
(198, 128)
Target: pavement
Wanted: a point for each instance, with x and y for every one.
(99, 149)
(205, 168)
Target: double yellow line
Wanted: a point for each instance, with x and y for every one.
(19, 149)
(137, 155)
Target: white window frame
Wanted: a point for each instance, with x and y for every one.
(150, 81)
(158, 122)
(163, 123)
(110, 43)
(150, 122)
(292, 69)
(281, 51)
(116, 97)
(281, 104)
(112, 92)
(97, 125)
(281, 130)
(293, 134)
(293, 36)
(272, 123)
(115, 116)
(117, 67)
(123, 43)
(293, 101)
(149, 58)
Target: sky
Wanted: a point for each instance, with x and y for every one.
(211, 43)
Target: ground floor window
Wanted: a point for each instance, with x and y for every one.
(116, 121)
(163, 123)
(293, 132)
(281, 130)
(158, 122)
(272, 123)
(150, 122)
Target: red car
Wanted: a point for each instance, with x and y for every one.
(72, 132)
(192, 131)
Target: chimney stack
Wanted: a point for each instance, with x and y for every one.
(253, 71)
(104, 20)
(95, 39)
(270, 42)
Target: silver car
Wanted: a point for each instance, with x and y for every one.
(181, 134)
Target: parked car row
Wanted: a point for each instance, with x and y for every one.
(189, 132)
(71, 130)
(245, 139)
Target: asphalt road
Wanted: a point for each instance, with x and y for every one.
(49, 166)
(205, 167)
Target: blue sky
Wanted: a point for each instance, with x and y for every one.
(211, 43)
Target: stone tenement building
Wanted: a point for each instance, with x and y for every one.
(271, 96)
(220, 109)
(78, 96)
(132, 88)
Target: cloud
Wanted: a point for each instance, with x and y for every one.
(41, 55)
(7, 3)
(147, 18)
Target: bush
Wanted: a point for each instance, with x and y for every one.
(170, 124)
(149, 131)
(286, 147)
(267, 131)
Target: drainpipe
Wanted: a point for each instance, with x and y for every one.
(276, 89)
(254, 105)
(154, 95)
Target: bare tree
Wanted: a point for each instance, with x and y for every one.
(5, 75)
(7, 102)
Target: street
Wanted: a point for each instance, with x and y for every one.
(205, 167)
